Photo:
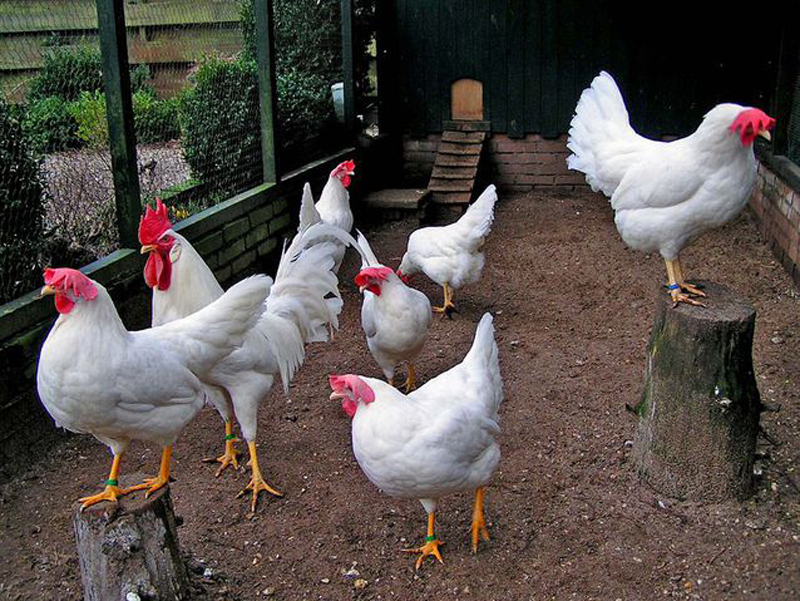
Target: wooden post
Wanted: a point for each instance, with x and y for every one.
(129, 548)
(119, 112)
(265, 55)
(348, 67)
(699, 412)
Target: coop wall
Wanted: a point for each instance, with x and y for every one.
(776, 205)
(513, 165)
(238, 237)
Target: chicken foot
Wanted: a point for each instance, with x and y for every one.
(411, 379)
(686, 286)
(675, 288)
(431, 546)
(111, 492)
(478, 520)
(448, 308)
(257, 482)
(231, 455)
(163, 478)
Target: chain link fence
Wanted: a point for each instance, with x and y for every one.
(195, 98)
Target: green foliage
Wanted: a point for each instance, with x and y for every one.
(50, 126)
(219, 119)
(21, 209)
(89, 112)
(304, 105)
(155, 120)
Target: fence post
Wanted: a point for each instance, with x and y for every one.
(119, 111)
(348, 67)
(265, 55)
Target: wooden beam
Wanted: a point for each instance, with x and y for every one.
(265, 55)
(348, 66)
(119, 110)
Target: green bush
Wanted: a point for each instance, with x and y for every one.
(304, 104)
(21, 210)
(89, 112)
(50, 126)
(67, 71)
(155, 120)
(219, 118)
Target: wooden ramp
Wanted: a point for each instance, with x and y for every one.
(456, 166)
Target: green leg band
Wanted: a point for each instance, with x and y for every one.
(111, 482)
(429, 539)
(230, 436)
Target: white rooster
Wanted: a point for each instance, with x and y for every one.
(451, 255)
(303, 301)
(395, 317)
(96, 377)
(666, 194)
(438, 440)
(333, 205)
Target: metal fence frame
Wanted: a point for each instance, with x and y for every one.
(119, 104)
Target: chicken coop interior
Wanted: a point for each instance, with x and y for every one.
(349, 299)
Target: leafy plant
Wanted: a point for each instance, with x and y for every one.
(89, 112)
(21, 209)
(155, 120)
(219, 119)
(49, 126)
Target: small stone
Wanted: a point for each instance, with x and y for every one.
(351, 573)
(325, 581)
(360, 584)
(269, 591)
(132, 597)
(776, 340)
(208, 573)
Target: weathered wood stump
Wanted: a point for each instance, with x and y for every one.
(700, 408)
(130, 550)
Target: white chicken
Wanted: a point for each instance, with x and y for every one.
(666, 194)
(333, 205)
(394, 317)
(451, 255)
(303, 301)
(96, 377)
(438, 440)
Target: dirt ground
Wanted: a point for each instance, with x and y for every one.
(567, 515)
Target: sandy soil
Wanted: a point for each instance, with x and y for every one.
(568, 517)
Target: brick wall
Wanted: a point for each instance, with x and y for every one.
(776, 204)
(237, 237)
(513, 165)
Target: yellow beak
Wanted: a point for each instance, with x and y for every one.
(148, 248)
(361, 289)
(46, 290)
(764, 133)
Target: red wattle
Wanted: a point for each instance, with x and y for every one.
(64, 303)
(158, 271)
(349, 407)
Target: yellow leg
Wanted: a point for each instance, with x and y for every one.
(411, 379)
(448, 308)
(111, 492)
(257, 482)
(431, 546)
(691, 289)
(160, 481)
(231, 454)
(674, 287)
(478, 520)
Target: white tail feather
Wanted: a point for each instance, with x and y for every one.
(477, 220)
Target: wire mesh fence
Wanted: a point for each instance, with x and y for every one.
(195, 98)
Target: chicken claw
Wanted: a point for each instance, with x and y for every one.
(431, 547)
(231, 454)
(257, 482)
(679, 297)
(110, 493)
(692, 289)
(446, 311)
(160, 481)
(478, 521)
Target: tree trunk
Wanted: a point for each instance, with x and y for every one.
(699, 412)
(130, 550)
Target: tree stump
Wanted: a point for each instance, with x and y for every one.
(700, 408)
(130, 550)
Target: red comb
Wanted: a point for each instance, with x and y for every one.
(360, 389)
(372, 273)
(70, 285)
(750, 122)
(343, 171)
(154, 223)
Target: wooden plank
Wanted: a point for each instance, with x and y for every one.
(348, 68)
(443, 185)
(22, 16)
(119, 111)
(451, 148)
(453, 173)
(463, 137)
(467, 125)
(456, 160)
(535, 56)
(516, 69)
(267, 90)
(452, 197)
(164, 46)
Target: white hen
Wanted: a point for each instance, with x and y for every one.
(438, 440)
(395, 317)
(333, 205)
(666, 194)
(451, 255)
(303, 302)
(96, 377)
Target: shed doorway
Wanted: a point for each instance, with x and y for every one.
(466, 100)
